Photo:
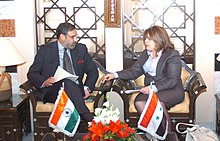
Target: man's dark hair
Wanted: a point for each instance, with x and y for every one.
(64, 28)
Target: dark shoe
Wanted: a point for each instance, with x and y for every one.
(48, 137)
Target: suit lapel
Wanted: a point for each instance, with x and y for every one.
(56, 53)
(143, 58)
(74, 56)
(161, 62)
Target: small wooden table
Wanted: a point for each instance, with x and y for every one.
(170, 137)
(140, 137)
(15, 118)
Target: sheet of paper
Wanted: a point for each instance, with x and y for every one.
(131, 91)
(62, 74)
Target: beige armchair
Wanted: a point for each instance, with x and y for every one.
(184, 112)
(42, 111)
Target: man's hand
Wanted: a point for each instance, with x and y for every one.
(87, 94)
(145, 90)
(49, 82)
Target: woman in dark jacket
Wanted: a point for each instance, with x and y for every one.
(161, 65)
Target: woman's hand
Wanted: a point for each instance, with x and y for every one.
(145, 90)
(108, 77)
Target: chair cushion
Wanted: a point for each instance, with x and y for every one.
(183, 107)
(139, 81)
(48, 107)
(44, 107)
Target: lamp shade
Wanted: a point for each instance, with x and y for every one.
(9, 54)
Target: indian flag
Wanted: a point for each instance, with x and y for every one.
(153, 119)
(64, 117)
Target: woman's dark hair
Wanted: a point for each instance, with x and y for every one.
(64, 28)
(159, 36)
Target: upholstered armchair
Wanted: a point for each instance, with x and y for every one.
(42, 111)
(184, 112)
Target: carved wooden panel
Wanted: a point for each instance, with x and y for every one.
(112, 13)
(217, 25)
(7, 28)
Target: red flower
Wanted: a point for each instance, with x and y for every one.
(113, 131)
(114, 127)
(110, 131)
(86, 137)
(97, 130)
(126, 132)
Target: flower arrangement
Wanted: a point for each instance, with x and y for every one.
(106, 126)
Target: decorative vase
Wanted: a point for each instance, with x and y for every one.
(5, 87)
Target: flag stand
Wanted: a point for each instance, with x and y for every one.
(63, 85)
(61, 117)
(64, 138)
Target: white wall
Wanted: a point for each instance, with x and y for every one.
(113, 42)
(25, 34)
(206, 45)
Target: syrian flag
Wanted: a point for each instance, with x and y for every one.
(153, 119)
(64, 117)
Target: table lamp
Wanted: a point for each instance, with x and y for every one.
(9, 56)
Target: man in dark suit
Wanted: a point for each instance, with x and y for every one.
(50, 56)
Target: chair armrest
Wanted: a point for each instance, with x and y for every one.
(106, 86)
(100, 67)
(28, 88)
(195, 84)
(102, 72)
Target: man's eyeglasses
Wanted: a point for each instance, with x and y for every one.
(76, 37)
